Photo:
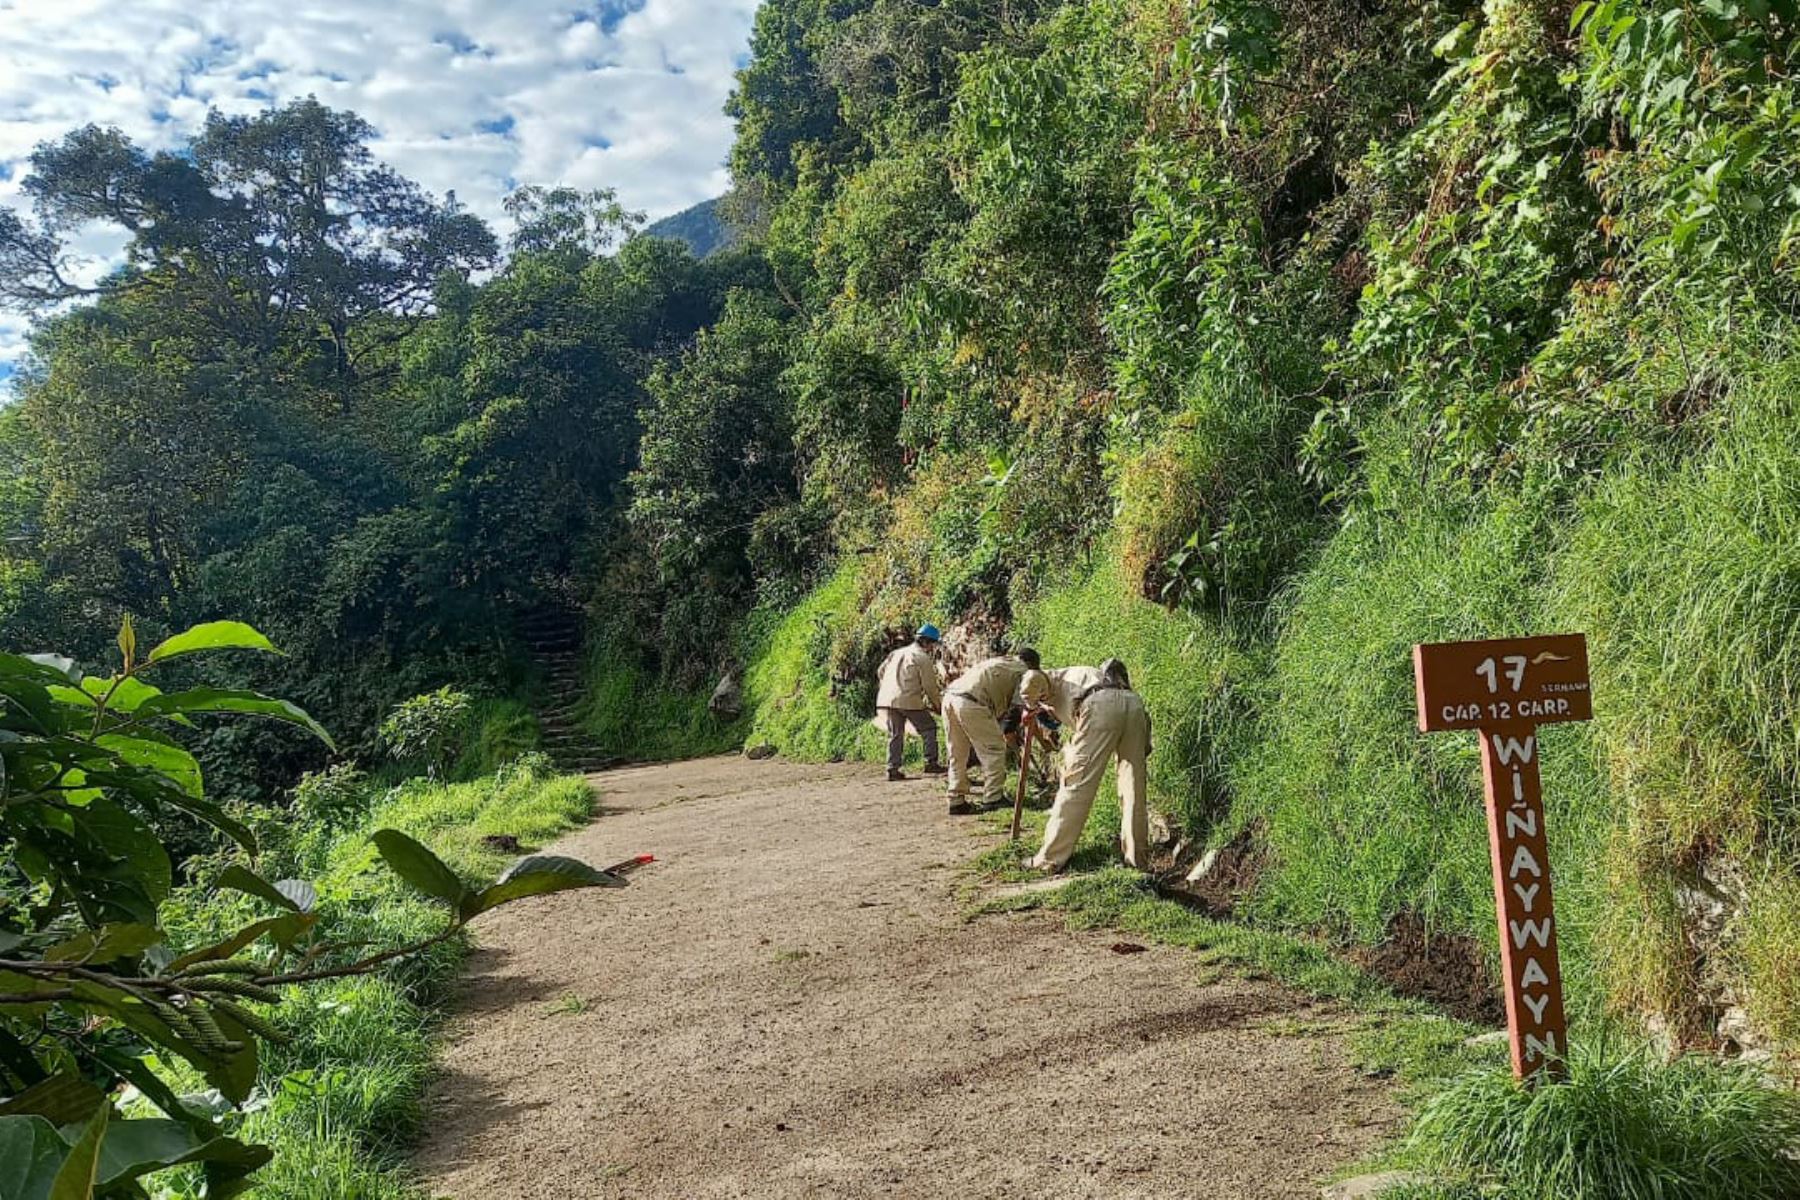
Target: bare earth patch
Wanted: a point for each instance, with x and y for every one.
(790, 1004)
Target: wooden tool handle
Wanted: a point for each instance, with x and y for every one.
(1028, 732)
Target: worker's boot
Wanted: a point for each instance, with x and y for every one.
(960, 807)
(936, 769)
(896, 776)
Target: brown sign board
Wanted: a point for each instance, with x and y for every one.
(1504, 690)
(1510, 681)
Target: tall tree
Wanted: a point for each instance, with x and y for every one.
(279, 229)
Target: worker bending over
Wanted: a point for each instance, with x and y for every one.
(1110, 722)
(972, 709)
(1066, 686)
(908, 694)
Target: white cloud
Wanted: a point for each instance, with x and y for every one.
(474, 96)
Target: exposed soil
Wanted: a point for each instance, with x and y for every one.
(790, 1004)
(1450, 972)
(1232, 876)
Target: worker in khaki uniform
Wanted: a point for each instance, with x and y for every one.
(1066, 686)
(908, 694)
(1110, 722)
(973, 706)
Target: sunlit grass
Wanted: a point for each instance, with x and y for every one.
(1625, 1126)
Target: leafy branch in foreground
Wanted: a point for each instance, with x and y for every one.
(90, 984)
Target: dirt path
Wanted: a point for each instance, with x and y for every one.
(791, 1005)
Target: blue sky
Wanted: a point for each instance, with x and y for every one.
(472, 95)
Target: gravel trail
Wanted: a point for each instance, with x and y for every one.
(791, 1003)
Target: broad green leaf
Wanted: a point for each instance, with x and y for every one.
(31, 1153)
(280, 930)
(133, 1149)
(234, 1074)
(81, 1170)
(242, 879)
(16, 1056)
(107, 944)
(214, 635)
(12, 983)
(420, 867)
(123, 836)
(217, 817)
(164, 757)
(538, 875)
(219, 700)
(64, 1099)
(126, 695)
(141, 1076)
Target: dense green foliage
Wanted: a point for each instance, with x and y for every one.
(109, 979)
(293, 406)
(1249, 340)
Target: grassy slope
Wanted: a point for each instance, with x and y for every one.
(343, 1098)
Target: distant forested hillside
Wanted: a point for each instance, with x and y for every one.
(703, 228)
(1249, 340)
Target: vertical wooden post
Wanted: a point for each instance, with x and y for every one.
(1504, 690)
(1523, 901)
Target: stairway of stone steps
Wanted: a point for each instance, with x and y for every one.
(553, 636)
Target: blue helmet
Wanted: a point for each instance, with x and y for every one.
(929, 633)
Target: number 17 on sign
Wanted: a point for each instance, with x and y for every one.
(1504, 690)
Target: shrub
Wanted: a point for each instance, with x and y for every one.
(428, 729)
(333, 799)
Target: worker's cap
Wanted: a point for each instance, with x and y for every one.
(929, 633)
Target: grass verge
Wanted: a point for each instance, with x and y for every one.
(341, 1101)
(1626, 1125)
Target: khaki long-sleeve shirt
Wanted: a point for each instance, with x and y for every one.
(994, 683)
(909, 680)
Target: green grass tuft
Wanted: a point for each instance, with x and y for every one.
(501, 730)
(1623, 1127)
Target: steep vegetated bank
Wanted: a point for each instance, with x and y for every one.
(1254, 342)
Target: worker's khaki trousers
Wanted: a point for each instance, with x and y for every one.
(969, 724)
(1110, 723)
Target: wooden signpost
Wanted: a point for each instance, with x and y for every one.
(1504, 690)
